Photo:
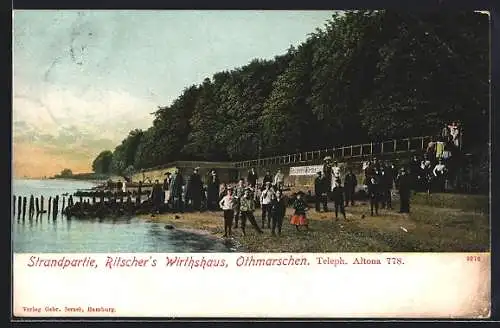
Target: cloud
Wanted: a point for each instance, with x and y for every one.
(73, 128)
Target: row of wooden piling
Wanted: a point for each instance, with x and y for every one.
(35, 206)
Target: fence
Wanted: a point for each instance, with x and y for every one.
(345, 152)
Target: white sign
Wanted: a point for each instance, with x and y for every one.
(306, 170)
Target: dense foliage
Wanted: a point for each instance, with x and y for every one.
(366, 75)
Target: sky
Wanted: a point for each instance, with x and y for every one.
(83, 79)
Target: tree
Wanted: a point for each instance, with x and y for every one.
(102, 163)
(66, 173)
(366, 75)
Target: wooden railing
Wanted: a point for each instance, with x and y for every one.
(360, 151)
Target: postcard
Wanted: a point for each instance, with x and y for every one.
(251, 164)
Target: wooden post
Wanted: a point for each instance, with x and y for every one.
(382, 147)
(395, 145)
(50, 206)
(14, 204)
(70, 200)
(54, 209)
(93, 199)
(371, 148)
(409, 143)
(19, 206)
(81, 199)
(63, 205)
(361, 150)
(37, 204)
(32, 206)
(422, 143)
(41, 203)
(25, 202)
(351, 151)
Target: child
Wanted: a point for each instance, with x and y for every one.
(278, 209)
(338, 198)
(374, 192)
(238, 193)
(265, 201)
(299, 217)
(228, 203)
(247, 206)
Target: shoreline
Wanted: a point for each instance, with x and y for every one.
(429, 228)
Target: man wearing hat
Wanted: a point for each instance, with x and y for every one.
(213, 187)
(404, 184)
(252, 178)
(320, 191)
(194, 189)
(176, 184)
(327, 170)
(350, 183)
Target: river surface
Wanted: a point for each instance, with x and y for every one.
(43, 234)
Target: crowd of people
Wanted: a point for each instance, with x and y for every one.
(379, 180)
(238, 203)
(428, 171)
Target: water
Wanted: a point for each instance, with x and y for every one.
(124, 235)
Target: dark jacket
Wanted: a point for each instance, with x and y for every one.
(387, 178)
(157, 192)
(403, 183)
(278, 208)
(338, 194)
(350, 181)
(176, 185)
(320, 186)
(213, 186)
(194, 186)
(373, 187)
(300, 207)
(267, 178)
(252, 178)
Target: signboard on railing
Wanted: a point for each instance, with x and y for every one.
(305, 170)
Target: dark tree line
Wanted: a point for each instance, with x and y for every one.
(365, 76)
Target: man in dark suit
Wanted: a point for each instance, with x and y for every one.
(320, 191)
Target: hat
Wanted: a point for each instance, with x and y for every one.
(197, 168)
(268, 183)
(327, 158)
